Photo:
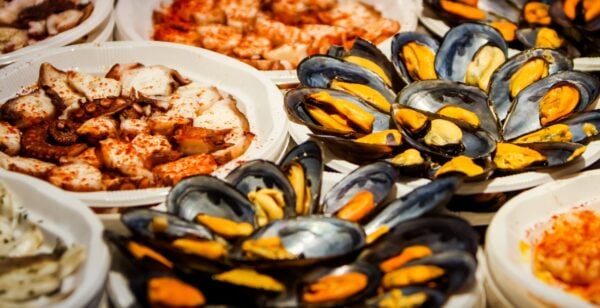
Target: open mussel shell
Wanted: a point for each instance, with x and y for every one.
(410, 162)
(458, 270)
(398, 296)
(139, 222)
(442, 95)
(500, 97)
(377, 178)
(208, 195)
(364, 50)
(438, 233)
(553, 154)
(482, 10)
(470, 170)
(530, 38)
(309, 240)
(416, 203)
(470, 141)
(459, 47)
(257, 174)
(308, 298)
(357, 152)
(557, 11)
(320, 71)
(309, 157)
(399, 59)
(581, 127)
(526, 111)
(297, 100)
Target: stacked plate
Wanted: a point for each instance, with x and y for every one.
(517, 227)
(98, 27)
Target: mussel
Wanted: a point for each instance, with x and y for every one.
(328, 72)
(580, 127)
(364, 53)
(441, 136)
(213, 203)
(521, 71)
(413, 56)
(303, 166)
(408, 297)
(467, 168)
(546, 37)
(418, 202)
(470, 53)
(452, 99)
(549, 100)
(299, 242)
(360, 193)
(455, 11)
(265, 185)
(533, 156)
(340, 286)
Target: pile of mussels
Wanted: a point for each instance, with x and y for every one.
(461, 106)
(265, 237)
(572, 26)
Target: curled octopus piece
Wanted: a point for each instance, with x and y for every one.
(34, 143)
(10, 139)
(63, 132)
(99, 107)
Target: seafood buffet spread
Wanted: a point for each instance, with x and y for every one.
(567, 254)
(456, 106)
(265, 235)
(270, 35)
(33, 271)
(25, 22)
(571, 26)
(137, 127)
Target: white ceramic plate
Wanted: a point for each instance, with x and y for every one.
(140, 27)
(300, 133)
(522, 220)
(258, 98)
(68, 218)
(101, 12)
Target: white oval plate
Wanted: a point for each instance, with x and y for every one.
(257, 96)
(300, 133)
(101, 12)
(140, 27)
(58, 213)
(523, 219)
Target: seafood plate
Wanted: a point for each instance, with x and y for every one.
(262, 234)
(52, 248)
(270, 51)
(537, 255)
(29, 26)
(461, 106)
(94, 112)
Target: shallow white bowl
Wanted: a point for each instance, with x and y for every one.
(257, 96)
(102, 10)
(68, 218)
(140, 27)
(104, 32)
(523, 219)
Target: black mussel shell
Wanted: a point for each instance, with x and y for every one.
(459, 47)
(524, 115)
(373, 279)
(295, 106)
(485, 163)
(475, 143)
(365, 49)
(439, 233)
(354, 151)
(499, 90)
(403, 38)
(432, 95)
(208, 195)
(257, 174)
(310, 156)
(311, 240)
(557, 154)
(434, 299)
(139, 222)
(378, 178)
(416, 203)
